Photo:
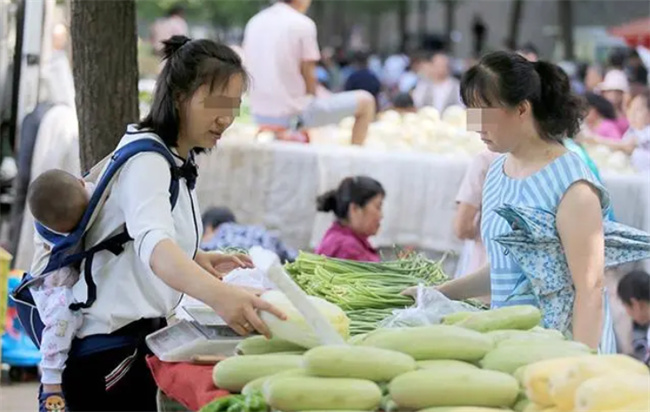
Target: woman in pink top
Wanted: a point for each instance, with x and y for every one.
(357, 206)
(601, 118)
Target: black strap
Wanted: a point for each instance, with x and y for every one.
(115, 245)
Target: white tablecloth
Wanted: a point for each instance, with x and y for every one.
(276, 185)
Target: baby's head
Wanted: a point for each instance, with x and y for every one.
(58, 200)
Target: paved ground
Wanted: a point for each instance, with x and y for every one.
(18, 397)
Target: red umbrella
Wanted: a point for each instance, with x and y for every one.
(635, 33)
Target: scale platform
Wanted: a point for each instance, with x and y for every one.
(205, 335)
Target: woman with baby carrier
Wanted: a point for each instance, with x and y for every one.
(144, 239)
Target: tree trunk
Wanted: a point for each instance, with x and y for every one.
(374, 32)
(403, 24)
(105, 69)
(424, 21)
(565, 17)
(450, 12)
(515, 20)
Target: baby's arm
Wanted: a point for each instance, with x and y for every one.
(53, 298)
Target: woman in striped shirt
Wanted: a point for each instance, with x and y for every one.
(524, 110)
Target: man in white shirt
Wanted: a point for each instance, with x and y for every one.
(281, 52)
(439, 89)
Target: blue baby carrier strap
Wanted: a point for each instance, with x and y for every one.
(65, 251)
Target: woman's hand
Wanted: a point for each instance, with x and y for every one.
(220, 264)
(238, 307)
(473, 285)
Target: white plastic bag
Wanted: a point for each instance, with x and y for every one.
(255, 278)
(429, 309)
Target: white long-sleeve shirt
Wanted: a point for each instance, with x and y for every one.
(127, 288)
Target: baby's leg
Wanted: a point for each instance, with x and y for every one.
(61, 325)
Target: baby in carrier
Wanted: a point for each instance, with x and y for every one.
(57, 200)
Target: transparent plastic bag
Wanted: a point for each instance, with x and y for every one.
(431, 306)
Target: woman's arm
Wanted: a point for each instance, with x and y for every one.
(474, 285)
(465, 226)
(236, 306)
(580, 226)
(627, 145)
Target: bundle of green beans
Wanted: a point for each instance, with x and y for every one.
(368, 292)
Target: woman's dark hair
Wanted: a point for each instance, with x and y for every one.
(357, 190)
(189, 64)
(217, 216)
(506, 79)
(601, 105)
(635, 284)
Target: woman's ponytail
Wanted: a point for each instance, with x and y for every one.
(171, 45)
(326, 202)
(558, 111)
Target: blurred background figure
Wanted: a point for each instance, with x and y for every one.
(403, 103)
(529, 51)
(362, 78)
(601, 118)
(637, 73)
(467, 222)
(329, 71)
(634, 291)
(613, 88)
(221, 231)
(413, 73)
(591, 76)
(438, 88)
(58, 71)
(171, 25)
(479, 31)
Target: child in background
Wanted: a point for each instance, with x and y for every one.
(58, 201)
(636, 142)
(634, 292)
(601, 118)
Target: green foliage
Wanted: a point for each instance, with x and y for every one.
(221, 12)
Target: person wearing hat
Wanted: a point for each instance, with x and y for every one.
(613, 88)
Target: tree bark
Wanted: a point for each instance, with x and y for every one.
(450, 12)
(105, 69)
(403, 24)
(565, 17)
(515, 20)
(423, 20)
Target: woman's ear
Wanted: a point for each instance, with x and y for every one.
(525, 108)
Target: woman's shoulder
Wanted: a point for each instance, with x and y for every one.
(570, 169)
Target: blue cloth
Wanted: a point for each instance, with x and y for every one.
(527, 261)
(234, 235)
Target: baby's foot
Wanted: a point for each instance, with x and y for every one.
(51, 402)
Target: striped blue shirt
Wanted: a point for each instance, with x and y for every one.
(542, 190)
